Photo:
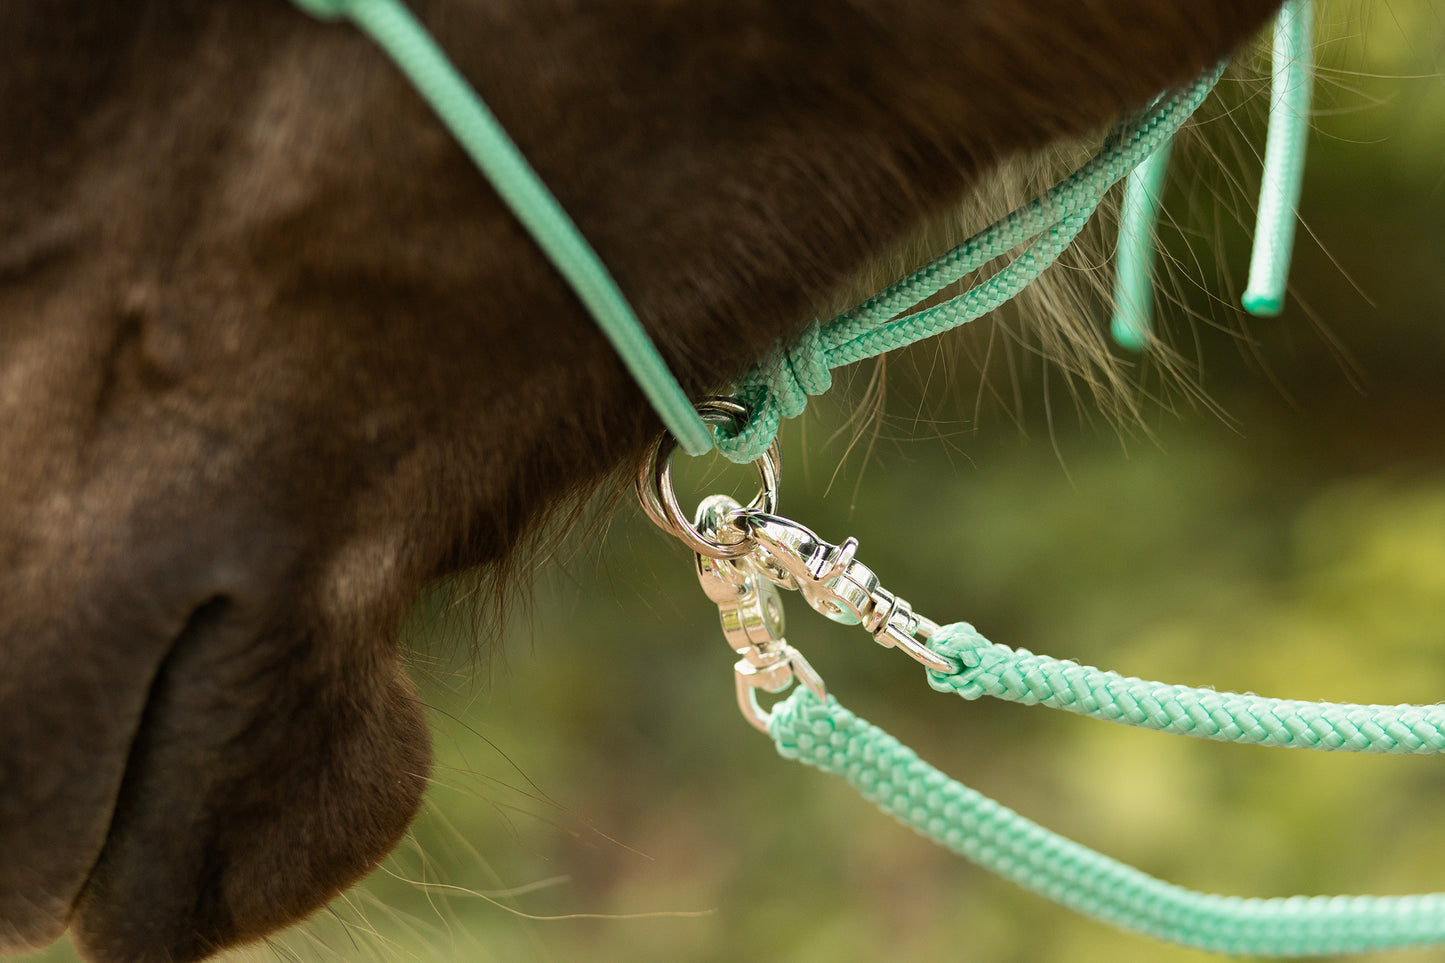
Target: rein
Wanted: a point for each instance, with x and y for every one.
(745, 554)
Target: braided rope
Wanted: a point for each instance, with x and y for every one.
(1279, 193)
(780, 386)
(887, 773)
(1133, 321)
(778, 389)
(1017, 675)
(1284, 158)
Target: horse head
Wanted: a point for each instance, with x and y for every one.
(273, 357)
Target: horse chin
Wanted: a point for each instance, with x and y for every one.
(270, 769)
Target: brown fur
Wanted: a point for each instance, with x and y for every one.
(272, 357)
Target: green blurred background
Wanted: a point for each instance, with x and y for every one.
(1287, 538)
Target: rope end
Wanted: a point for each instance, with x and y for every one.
(1263, 304)
(1130, 331)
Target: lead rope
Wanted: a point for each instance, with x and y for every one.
(747, 554)
(827, 736)
(985, 668)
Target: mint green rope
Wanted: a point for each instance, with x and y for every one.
(891, 776)
(1284, 158)
(1134, 265)
(1017, 675)
(779, 387)
(392, 26)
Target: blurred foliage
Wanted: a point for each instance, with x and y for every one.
(597, 795)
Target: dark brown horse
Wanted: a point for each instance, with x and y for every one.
(273, 358)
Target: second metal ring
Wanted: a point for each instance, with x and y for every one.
(659, 499)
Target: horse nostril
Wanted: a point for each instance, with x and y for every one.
(206, 617)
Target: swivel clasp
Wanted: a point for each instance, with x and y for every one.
(835, 583)
(751, 612)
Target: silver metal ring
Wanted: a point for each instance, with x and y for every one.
(659, 499)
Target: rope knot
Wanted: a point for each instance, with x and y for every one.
(805, 727)
(800, 370)
(962, 643)
(777, 388)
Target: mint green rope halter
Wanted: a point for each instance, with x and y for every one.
(779, 387)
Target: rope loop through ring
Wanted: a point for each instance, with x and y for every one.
(659, 498)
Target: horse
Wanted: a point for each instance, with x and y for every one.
(274, 357)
